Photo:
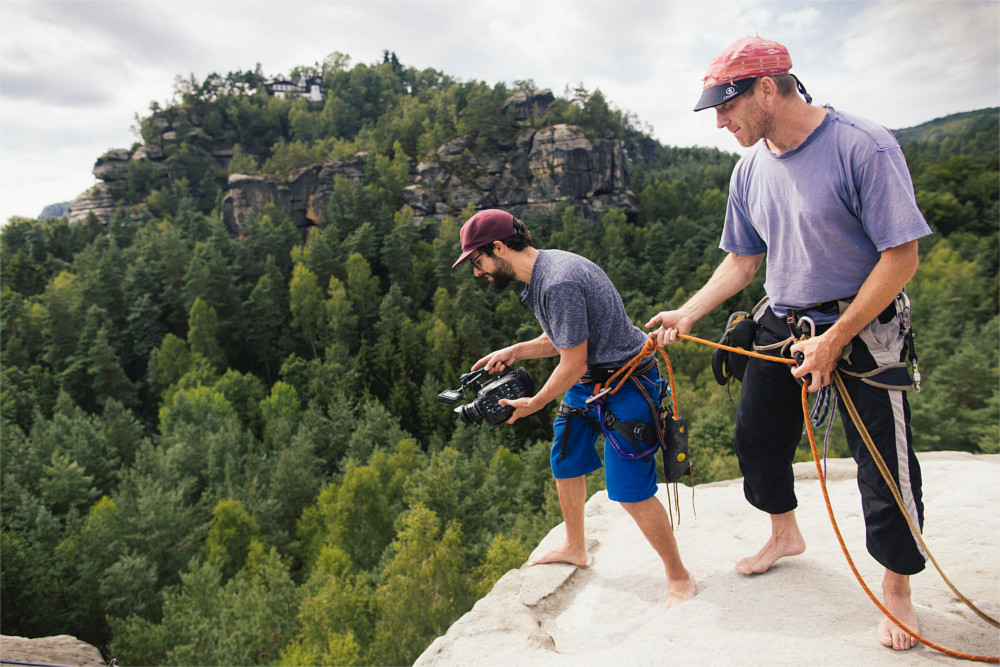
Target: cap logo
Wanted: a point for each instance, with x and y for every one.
(730, 91)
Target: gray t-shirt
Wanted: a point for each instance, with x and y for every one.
(823, 211)
(575, 301)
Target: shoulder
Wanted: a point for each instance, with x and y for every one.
(863, 133)
(561, 262)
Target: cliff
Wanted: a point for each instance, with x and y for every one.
(529, 174)
(806, 609)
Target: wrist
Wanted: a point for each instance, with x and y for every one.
(837, 336)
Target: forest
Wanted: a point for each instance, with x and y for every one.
(227, 449)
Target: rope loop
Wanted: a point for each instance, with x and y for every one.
(650, 347)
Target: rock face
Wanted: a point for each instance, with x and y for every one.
(528, 174)
(807, 609)
(303, 196)
(59, 650)
(541, 169)
(528, 106)
(112, 168)
(98, 200)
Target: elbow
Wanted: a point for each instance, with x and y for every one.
(912, 262)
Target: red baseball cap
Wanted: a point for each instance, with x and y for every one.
(738, 65)
(483, 228)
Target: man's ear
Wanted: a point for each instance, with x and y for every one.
(767, 87)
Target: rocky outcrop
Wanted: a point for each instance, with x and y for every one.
(57, 210)
(304, 196)
(112, 168)
(529, 178)
(528, 106)
(59, 650)
(528, 173)
(98, 201)
(113, 165)
(611, 612)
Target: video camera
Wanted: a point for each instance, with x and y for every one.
(515, 383)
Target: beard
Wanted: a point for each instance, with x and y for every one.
(755, 124)
(502, 274)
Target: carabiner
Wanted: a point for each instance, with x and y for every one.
(807, 320)
(598, 395)
(799, 357)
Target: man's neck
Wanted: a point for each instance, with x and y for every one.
(792, 125)
(524, 263)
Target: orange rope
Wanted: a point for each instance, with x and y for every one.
(625, 371)
(850, 561)
(738, 350)
(650, 347)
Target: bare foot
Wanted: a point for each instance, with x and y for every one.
(680, 591)
(777, 547)
(563, 554)
(897, 600)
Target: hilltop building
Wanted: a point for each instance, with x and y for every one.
(310, 89)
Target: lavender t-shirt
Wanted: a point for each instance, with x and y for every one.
(822, 212)
(575, 301)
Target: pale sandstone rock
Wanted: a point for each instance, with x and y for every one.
(806, 610)
(60, 650)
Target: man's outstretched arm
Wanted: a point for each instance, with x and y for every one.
(733, 274)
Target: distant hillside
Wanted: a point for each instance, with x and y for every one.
(975, 133)
(54, 210)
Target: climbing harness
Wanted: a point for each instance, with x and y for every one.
(667, 432)
(841, 391)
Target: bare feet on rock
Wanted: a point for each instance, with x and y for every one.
(680, 591)
(896, 598)
(563, 554)
(774, 550)
(786, 540)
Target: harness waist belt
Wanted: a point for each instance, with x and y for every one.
(601, 374)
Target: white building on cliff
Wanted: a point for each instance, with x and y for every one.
(310, 89)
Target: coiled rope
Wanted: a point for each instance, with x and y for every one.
(650, 347)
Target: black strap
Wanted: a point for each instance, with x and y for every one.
(601, 374)
(634, 433)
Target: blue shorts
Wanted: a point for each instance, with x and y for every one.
(628, 481)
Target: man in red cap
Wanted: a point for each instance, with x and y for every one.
(584, 322)
(826, 197)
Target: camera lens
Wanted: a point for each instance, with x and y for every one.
(469, 414)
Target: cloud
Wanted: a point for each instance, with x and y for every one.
(937, 58)
(803, 20)
(139, 33)
(58, 88)
(73, 74)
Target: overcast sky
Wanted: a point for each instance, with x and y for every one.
(73, 75)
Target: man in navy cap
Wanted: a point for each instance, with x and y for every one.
(584, 322)
(827, 198)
